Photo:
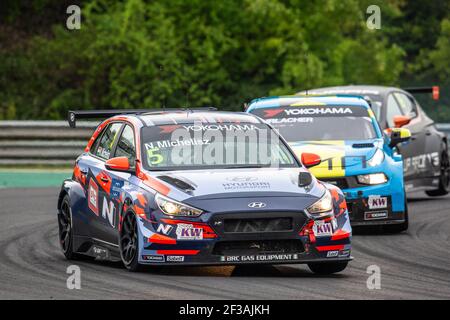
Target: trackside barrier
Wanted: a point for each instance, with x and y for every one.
(42, 143)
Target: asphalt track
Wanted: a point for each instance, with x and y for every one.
(414, 265)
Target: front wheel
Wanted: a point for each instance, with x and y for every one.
(444, 178)
(129, 244)
(66, 231)
(325, 268)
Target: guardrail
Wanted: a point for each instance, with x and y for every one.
(54, 143)
(42, 143)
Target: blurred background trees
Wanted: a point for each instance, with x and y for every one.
(142, 53)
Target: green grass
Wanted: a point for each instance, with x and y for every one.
(32, 178)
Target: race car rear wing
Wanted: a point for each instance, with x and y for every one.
(74, 115)
(434, 90)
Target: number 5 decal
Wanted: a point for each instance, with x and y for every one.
(154, 157)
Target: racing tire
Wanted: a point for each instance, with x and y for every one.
(325, 268)
(129, 243)
(444, 178)
(65, 234)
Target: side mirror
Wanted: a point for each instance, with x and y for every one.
(399, 135)
(304, 179)
(118, 164)
(400, 121)
(310, 159)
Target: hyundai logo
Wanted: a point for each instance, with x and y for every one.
(257, 205)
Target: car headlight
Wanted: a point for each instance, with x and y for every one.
(377, 158)
(374, 178)
(174, 208)
(322, 207)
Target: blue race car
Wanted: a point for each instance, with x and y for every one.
(356, 155)
(198, 188)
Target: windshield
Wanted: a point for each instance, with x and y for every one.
(213, 145)
(308, 123)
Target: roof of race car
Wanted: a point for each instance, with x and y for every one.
(285, 101)
(191, 116)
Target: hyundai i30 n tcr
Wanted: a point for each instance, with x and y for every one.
(355, 154)
(194, 187)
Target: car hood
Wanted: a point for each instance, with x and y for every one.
(338, 155)
(237, 183)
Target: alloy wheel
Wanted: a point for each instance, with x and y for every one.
(128, 239)
(65, 226)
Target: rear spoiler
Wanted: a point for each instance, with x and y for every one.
(74, 115)
(434, 90)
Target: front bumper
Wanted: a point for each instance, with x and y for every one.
(362, 215)
(249, 242)
(372, 205)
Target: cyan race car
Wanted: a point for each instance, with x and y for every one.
(426, 157)
(356, 155)
(195, 187)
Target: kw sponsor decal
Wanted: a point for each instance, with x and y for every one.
(188, 232)
(375, 215)
(93, 196)
(323, 229)
(259, 258)
(377, 202)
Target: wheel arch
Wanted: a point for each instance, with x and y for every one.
(71, 188)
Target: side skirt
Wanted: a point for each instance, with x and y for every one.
(96, 248)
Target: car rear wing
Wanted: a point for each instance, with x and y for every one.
(434, 90)
(74, 115)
